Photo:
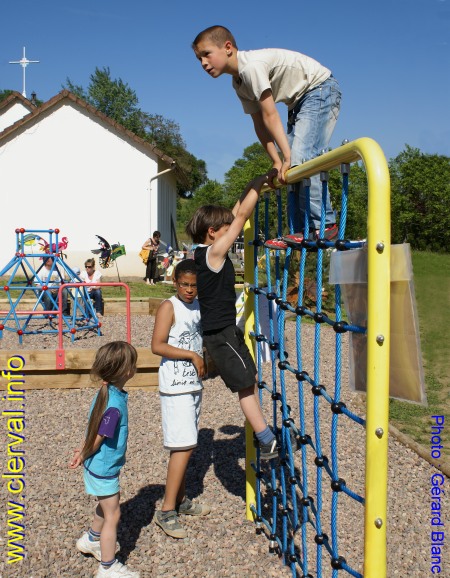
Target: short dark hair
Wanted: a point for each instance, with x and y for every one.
(156, 233)
(185, 266)
(205, 217)
(216, 34)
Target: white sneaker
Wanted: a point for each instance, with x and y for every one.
(117, 570)
(89, 547)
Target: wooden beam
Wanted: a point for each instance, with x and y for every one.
(76, 359)
(77, 380)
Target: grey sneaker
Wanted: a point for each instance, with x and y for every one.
(188, 508)
(169, 523)
(268, 451)
(87, 546)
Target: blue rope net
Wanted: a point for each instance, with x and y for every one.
(300, 497)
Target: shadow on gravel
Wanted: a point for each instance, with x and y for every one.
(222, 454)
(226, 456)
(135, 514)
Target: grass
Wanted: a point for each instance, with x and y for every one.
(137, 289)
(432, 287)
(140, 289)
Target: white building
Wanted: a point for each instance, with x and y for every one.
(66, 165)
(13, 109)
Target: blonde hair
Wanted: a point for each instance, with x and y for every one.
(114, 362)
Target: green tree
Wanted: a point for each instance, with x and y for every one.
(119, 102)
(208, 194)
(253, 162)
(356, 222)
(113, 97)
(420, 187)
(4, 94)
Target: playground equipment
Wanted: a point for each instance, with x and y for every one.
(108, 254)
(295, 499)
(28, 281)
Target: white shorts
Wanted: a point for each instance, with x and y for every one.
(180, 416)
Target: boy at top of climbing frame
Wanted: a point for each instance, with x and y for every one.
(216, 229)
(262, 78)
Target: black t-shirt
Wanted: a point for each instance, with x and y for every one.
(216, 293)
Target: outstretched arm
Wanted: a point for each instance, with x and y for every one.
(270, 132)
(241, 211)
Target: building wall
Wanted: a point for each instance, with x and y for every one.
(12, 114)
(75, 173)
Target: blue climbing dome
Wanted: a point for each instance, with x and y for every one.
(31, 284)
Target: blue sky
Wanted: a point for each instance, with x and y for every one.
(391, 57)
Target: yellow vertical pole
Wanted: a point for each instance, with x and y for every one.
(378, 345)
(249, 312)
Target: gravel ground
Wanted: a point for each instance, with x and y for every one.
(222, 544)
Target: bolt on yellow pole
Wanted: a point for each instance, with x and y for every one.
(378, 346)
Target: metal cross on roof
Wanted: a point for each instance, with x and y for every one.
(24, 62)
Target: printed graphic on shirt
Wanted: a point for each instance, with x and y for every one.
(109, 422)
(184, 370)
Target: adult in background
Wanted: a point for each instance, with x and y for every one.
(90, 275)
(152, 244)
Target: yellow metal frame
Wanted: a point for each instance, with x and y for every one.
(378, 338)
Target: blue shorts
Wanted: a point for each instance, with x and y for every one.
(100, 487)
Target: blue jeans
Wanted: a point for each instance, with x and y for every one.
(49, 304)
(96, 296)
(310, 126)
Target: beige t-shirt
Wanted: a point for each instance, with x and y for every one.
(287, 73)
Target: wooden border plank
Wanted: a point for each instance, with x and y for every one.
(45, 359)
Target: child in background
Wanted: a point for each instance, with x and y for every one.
(177, 338)
(103, 455)
(262, 78)
(216, 229)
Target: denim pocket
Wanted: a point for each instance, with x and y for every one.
(335, 102)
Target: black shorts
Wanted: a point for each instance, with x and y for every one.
(232, 358)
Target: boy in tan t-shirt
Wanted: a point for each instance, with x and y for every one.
(261, 78)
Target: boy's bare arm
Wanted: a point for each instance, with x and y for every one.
(163, 322)
(270, 131)
(241, 211)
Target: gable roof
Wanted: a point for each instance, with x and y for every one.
(13, 98)
(67, 95)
